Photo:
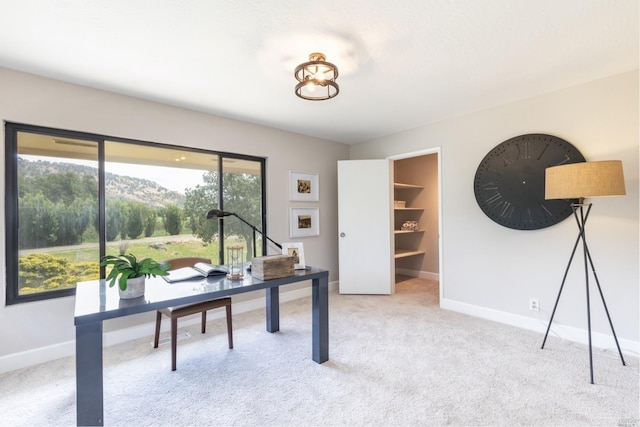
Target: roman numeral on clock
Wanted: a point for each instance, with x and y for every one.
(546, 210)
(524, 150)
(493, 200)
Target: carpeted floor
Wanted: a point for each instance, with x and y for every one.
(394, 360)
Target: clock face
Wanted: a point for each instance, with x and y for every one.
(509, 182)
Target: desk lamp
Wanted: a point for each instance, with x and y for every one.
(220, 214)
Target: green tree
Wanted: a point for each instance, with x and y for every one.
(197, 202)
(150, 217)
(123, 218)
(38, 226)
(113, 220)
(241, 195)
(173, 219)
(73, 220)
(55, 209)
(67, 187)
(89, 186)
(135, 220)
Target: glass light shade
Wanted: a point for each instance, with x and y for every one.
(585, 179)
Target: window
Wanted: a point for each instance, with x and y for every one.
(73, 197)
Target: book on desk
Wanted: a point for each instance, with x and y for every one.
(200, 270)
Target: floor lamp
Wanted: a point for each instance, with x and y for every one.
(579, 181)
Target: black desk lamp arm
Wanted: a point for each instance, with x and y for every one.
(254, 228)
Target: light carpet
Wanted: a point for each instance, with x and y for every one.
(394, 360)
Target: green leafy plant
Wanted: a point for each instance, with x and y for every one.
(127, 266)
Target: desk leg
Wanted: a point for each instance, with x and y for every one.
(89, 391)
(320, 319)
(273, 309)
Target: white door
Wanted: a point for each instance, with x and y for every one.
(365, 226)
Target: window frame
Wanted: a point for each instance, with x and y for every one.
(11, 197)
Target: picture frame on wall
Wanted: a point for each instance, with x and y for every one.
(304, 222)
(296, 250)
(303, 187)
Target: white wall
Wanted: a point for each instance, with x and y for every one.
(492, 271)
(488, 270)
(48, 325)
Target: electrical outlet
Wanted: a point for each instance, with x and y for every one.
(534, 304)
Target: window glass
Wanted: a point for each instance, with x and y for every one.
(72, 199)
(150, 211)
(242, 187)
(57, 213)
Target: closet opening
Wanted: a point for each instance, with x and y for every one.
(416, 216)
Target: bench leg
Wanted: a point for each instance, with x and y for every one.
(229, 326)
(156, 340)
(174, 343)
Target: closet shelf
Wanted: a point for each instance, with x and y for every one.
(411, 244)
(403, 253)
(400, 186)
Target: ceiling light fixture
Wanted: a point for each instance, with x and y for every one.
(317, 79)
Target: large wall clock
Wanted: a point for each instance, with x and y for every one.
(509, 182)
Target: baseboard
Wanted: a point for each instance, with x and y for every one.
(44, 354)
(569, 333)
(36, 356)
(24, 359)
(420, 274)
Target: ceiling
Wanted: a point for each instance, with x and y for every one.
(402, 63)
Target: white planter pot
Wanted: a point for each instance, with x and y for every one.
(135, 288)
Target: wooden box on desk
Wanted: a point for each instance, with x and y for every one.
(272, 267)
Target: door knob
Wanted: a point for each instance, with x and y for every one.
(342, 234)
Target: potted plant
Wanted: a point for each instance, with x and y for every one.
(131, 273)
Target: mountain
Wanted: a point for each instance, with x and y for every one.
(120, 187)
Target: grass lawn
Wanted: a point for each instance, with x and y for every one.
(157, 248)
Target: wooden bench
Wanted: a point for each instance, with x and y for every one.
(174, 313)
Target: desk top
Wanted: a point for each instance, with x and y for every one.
(96, 301)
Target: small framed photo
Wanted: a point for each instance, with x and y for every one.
(303, 187)
(296, 250)
(304, 222)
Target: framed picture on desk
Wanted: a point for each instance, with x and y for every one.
(296, 250)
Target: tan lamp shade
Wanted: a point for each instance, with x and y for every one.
(585, 179)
